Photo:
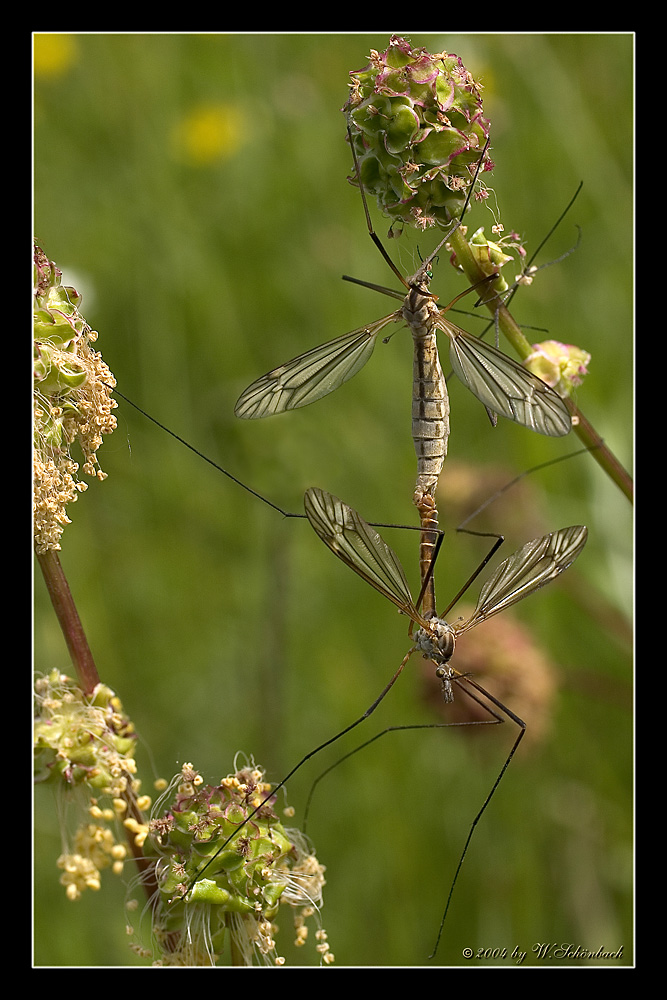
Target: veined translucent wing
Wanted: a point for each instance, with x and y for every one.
(312, 375)
(525, 571)
(504, 386)
(360, 547)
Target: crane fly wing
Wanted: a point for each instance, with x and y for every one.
(526, 570)
(504, 386)
(360, 547)
(312, 375)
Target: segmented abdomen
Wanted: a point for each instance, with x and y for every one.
(430, 401)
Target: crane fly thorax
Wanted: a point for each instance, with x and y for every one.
(437, 643)
(419, 310)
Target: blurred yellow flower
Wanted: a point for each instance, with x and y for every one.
(210, 132)
(53, 54)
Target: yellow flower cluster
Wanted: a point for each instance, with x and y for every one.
(87, 743)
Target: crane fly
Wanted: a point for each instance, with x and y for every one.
(364, 550)
(499, 382)
(430, 399)
(528, 569)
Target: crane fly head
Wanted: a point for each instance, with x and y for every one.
(421, 280)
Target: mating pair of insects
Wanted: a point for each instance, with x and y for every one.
(505, 388)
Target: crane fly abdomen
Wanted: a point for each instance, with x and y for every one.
(430, 400)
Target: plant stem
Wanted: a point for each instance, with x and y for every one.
(88, 678)
(68, 617)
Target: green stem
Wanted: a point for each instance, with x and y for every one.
(581, 426)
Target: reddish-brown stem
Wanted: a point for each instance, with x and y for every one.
(70, 623)
(88, 678)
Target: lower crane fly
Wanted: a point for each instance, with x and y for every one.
(364, 550)
(533, 565)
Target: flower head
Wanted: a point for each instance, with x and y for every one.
(82, 740)
(562, 366)
(418, 131)
(491, 256)
(72, 401)
(86, 744)
(225, 863)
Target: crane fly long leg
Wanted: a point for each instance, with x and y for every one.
(529, 270)
(470, 683)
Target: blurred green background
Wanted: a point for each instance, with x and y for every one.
(193, 188)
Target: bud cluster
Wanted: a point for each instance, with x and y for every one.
(418, 131)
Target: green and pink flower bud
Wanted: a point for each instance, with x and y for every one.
(418, 131)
